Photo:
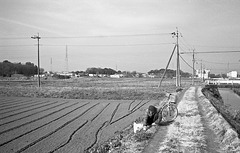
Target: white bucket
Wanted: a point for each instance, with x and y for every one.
(137, 126)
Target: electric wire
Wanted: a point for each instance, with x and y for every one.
(105, 36)
(184, 45)
(183, 39)
(188, 47)
(90, 45)
(8, 38)
(89, 36)
(209, 46)
(17, 45)
(106, 45)
(211, 52)
(215, 62)
(185, 62)
(183, 50)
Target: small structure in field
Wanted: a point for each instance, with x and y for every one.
(116, 76)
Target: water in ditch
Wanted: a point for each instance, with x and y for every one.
(230, 98)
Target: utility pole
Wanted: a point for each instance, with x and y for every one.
(228, 68)
(66, 59)
(51, 64)
(201, 71)
(178, 62)
(38, 37)
(178, 83)
(193, 73)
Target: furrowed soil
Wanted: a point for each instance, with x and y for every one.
(74, 115)
(96, 115)
(63, 125)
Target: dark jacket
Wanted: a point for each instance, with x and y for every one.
(155, 118)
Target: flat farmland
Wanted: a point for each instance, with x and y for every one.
(63, 125)
(72, 115)
(90, 88)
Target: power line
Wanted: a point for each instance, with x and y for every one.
(183, 50)
(14, 38)
(90, 45)
(211, 52)
(185, 62)
(16, 45)
(184, 47)
(93, 36)
(104, 45)
(102, 36)
(218, 62)
(187, 45)
(216, 46)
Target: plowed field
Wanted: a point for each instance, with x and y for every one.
(63, 125)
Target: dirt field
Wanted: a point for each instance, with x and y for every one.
(91, 88)
(72, 115)
(65, 125)
(58, 125)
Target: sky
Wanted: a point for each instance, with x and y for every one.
(125, 35)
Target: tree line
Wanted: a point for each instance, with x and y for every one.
(169, 73)
(105, 71)
(7, 69)
(108, 71)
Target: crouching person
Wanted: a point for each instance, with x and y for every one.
(153, 117)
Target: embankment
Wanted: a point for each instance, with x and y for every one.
(212, 94)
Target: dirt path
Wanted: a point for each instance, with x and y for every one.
(198, 128)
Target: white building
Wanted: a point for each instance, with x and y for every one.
(116, 76)
(92, 75)
(232, 74)
(204, 73)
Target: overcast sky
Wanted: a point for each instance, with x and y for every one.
(127, 35)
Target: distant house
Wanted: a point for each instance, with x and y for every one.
(65, 74)
(40, 75)
(232, 74)
(91, 75)
(152, 75)
(102, 75)
(203, 74)
(116, 76)
(97, 75)
(144, 75)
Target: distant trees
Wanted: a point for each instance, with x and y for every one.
(106, 71)
(7, 69)
(109, 71)
(169, 73)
